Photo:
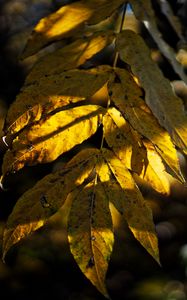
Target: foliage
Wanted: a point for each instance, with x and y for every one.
(142, 123)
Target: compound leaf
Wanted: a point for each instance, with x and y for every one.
(49, 138)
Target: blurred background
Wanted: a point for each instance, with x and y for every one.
(41, 267)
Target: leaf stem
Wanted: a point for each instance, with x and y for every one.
(115, 62)
(120, 29)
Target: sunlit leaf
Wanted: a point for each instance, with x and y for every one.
(46, 140)
(155, 173)
(144, 12)
(136, 212)
(39, 203)
(69, 19)
(52, 92)
(70, 56)
(124, 141)
(127, 96)
(90, 233)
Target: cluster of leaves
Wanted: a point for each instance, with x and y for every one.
(142, 122)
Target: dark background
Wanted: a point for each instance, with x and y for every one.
(42, 267)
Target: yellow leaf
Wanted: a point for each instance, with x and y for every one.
(136, 212)
(49, 138)
(165, 105)
(124, 141)
(90, 233)
(68, 20)
(144, 12)
(71, 56)
(52, 92)
(155, 173)
(127, 96)
(39, 203)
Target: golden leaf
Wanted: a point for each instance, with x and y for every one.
(124, 141)
(39, 203)
(68, 20)
(71, 56)
(90, 233)
(155, 173)
(144, 12)
(127, 96)
(136, 212)
(159, 96)
(49, 138)
(55, 91)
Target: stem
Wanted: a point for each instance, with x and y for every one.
(120, 30)
(115, 61)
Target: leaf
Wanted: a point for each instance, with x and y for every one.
(49, 138)
(68, 20)
(52, 92)
(90, 233)
(144, 12)
(155, 173)
(136, 212)
(124, 141)
(127, 96)
(71, 56)
(159, 96)
(38, 204)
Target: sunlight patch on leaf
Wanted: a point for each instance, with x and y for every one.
(49, 138)
(159, 96)
(127, 96)
(71, 56)
(124, 141)
(90, 233)
(67, 21)
(39, 203)
(136, 212)
(155, 173)
(52, 92)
